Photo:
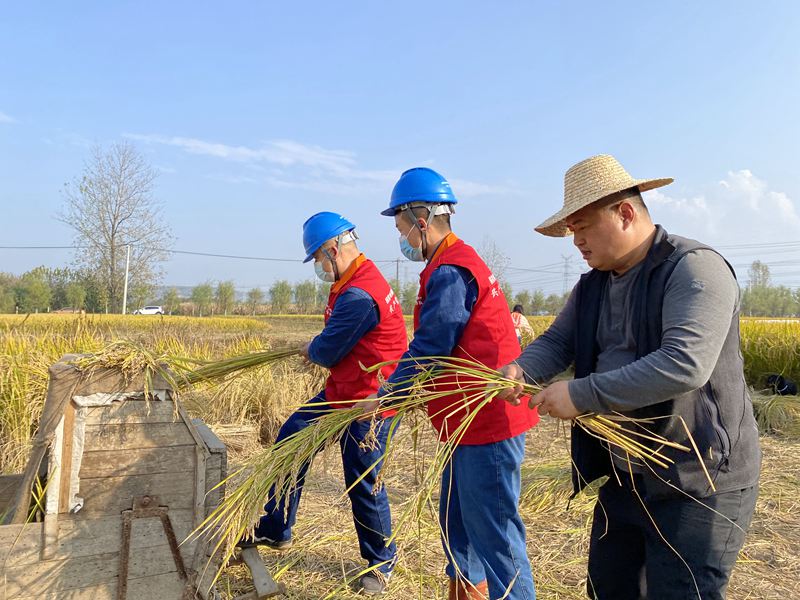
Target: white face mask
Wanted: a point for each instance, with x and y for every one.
(324, 275)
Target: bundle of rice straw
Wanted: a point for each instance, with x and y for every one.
(210, 371)
(278, 466)
(132, 360)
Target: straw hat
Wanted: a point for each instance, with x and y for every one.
(589, 181)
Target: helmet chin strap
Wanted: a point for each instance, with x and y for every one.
(408, 211)
(333, 264)
(341, 239)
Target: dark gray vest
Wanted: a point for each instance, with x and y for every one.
(719, 415)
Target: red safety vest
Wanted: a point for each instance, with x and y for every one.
(387, 341)
(488, 338)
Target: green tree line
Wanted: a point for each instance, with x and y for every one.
(45, 289)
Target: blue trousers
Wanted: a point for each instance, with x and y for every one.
(482, 532)
(371, 513)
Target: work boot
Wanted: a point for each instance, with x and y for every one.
(463, 590)
(374, 583)
(256, 540)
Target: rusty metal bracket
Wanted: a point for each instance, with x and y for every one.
(146, 507)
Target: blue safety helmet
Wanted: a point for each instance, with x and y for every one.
(420, 184)
(321, 227)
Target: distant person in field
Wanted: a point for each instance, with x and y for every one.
(461, 312)
(520, 323)
(653, 332)
(363, 325)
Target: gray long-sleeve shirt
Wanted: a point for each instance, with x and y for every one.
(699, 301)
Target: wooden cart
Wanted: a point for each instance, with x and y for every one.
(126, 479)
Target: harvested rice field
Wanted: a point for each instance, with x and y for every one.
(324, 560)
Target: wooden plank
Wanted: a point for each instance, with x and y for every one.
(212, 442)
(56, 575)
(157, 587)
(50, 536)
(132, 411)
(134, 436)
(75, 573)
(112, 495)
(66, 457)
(20, 544)
(262, 580)
(192, 430)
(111, 463)
(167, 586)
(214, 475)
(53, 494)
(20, 536)
(63, 379)
(199, 486)
(105, 591)
(8, 488)
(105, 380)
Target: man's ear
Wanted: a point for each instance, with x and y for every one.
(422, 224)
(627, 213)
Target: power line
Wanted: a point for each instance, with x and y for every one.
(758, 245)
(42, 247)
(567, 260)
(185, 252)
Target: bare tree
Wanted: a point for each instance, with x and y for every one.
(494, 258)
(110, 206)
(759, 275)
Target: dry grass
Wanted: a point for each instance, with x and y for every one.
(777, 414)
(30, 344)
(325, 556)
(770, 346)
(326, 553)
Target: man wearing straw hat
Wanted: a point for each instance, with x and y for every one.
(653, 332)
(461, 312)
(364, 325)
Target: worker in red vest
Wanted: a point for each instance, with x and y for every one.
(363, 325)
(462, 312)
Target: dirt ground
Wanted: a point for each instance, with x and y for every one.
(324, 561)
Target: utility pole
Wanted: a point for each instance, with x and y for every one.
(125, 287)
(397, 271)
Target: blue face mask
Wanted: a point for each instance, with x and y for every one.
(411, 253)
(323, 274)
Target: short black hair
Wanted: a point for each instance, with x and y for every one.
(631, 195)
(518, 308)
(421, 211)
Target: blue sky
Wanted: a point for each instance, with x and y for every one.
(259, 114)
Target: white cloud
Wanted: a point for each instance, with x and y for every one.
(294, 165)
(6, 118)
(471, 189)
(739, 209)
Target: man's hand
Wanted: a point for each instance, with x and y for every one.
(371, 406)
(511, 395)
(304, 355)
(555, 401)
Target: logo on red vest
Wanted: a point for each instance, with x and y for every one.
(391, 300)
(494, 287)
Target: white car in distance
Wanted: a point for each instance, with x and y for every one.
(149, 310)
